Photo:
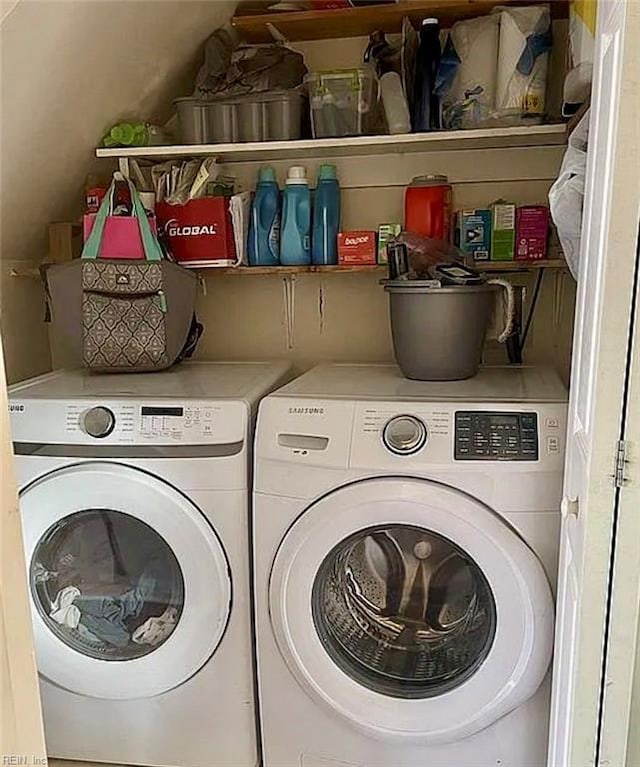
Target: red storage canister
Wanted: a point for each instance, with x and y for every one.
(427, 207)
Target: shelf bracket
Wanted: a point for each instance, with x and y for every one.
(289, 288)
(123, 166)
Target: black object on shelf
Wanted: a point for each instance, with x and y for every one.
(398, 258)
(426, 104)
(385, 57)
(517, 340)
(534, 301)
(514, 347)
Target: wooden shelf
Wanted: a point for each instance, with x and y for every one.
(357, 22)
(522, 266)
(483, 138)
(283, 271)
(31, 272)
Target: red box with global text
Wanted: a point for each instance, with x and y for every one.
(200, 232)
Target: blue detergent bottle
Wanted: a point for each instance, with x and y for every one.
(263, 244)
(326, 218)
(295, 240)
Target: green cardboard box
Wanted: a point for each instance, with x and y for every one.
(385, 233)
(503, 231)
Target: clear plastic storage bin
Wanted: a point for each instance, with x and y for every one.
(342, 102)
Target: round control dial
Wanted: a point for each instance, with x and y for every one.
(98, 422)
(404, 434)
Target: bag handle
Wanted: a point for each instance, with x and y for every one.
(151, 246)
(111, 194)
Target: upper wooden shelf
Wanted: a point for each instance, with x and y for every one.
(357, 22)
(483, 138)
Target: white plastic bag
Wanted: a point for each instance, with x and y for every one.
(566, 196)
(523, 58)
(493, 69)
(469, 72)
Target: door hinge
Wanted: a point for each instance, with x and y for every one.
(619, 475)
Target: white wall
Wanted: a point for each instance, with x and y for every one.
(69, 70)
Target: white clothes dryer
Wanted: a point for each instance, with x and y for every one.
(134, 497)
(405, 547)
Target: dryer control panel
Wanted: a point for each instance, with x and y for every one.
(482, 435)
(411, 435)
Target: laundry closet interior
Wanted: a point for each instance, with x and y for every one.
(339, 315)
(355, 565)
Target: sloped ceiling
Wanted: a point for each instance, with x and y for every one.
(69, 70)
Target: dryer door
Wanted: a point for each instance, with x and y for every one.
(411, 609)
(130, 586)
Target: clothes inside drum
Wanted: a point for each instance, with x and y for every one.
(403, 611)
(107, 584)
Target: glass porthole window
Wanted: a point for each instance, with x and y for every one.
(107, 584)
(403, 611)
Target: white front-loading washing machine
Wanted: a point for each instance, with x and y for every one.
(405, 547)
(134, 497)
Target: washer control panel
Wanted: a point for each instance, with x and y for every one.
(168, 422)
(481, 435)
(404, 434)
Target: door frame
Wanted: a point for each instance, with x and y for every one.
(21, 716)
(594, 668)
(620, 681)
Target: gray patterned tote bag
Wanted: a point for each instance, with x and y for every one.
(124, 315)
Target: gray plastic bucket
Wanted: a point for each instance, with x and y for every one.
(439, 333)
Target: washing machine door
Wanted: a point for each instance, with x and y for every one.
(411, 609)
(130, 586)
